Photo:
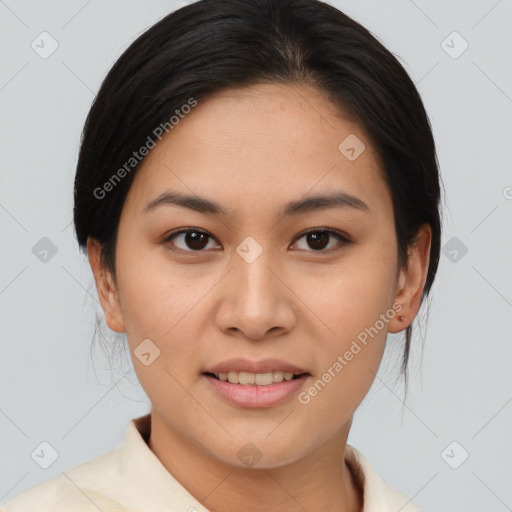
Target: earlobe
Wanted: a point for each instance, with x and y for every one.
(412, 278)
(107, 292)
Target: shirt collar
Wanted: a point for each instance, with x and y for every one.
(148, 483)
(152, 487)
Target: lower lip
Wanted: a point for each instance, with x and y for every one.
(253, 396)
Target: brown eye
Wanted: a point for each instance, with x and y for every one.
(320, 239)
(190, 240)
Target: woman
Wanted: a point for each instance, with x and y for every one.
(257, 192)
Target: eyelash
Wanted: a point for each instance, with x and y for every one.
(341, 238)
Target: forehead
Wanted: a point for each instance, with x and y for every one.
(262, 143)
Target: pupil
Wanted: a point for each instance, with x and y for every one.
(315, 240)
(195, 240)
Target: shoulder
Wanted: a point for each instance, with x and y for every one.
(83, 488)
(378, 495)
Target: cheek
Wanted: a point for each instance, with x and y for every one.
(355, 303)
(348, 357)
(154, 294)
(350, 296)
(162, 308)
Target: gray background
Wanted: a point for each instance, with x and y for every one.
(51, 389)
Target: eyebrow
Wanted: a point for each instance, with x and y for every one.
(300, 206)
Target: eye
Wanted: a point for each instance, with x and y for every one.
(196, 240)
(320, 238)
(189, 240)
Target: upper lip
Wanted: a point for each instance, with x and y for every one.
(263, 366)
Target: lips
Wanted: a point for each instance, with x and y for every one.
(255, 384)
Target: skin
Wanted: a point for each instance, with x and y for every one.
(252, 150)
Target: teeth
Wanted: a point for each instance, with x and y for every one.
(233, 377)
(246, 378)
(264, 379)
(260, 379)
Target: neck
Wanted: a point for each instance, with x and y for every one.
(320, 481)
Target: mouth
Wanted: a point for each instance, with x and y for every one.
(255, 379)
(255, 384)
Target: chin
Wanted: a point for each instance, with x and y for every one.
(257, 454)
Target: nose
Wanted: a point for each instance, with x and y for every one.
(256, 300)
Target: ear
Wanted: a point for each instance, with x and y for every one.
(411, 280)
(107, 292)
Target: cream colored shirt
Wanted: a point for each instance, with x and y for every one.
(131, 478)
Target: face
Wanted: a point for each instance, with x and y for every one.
(253, 277)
